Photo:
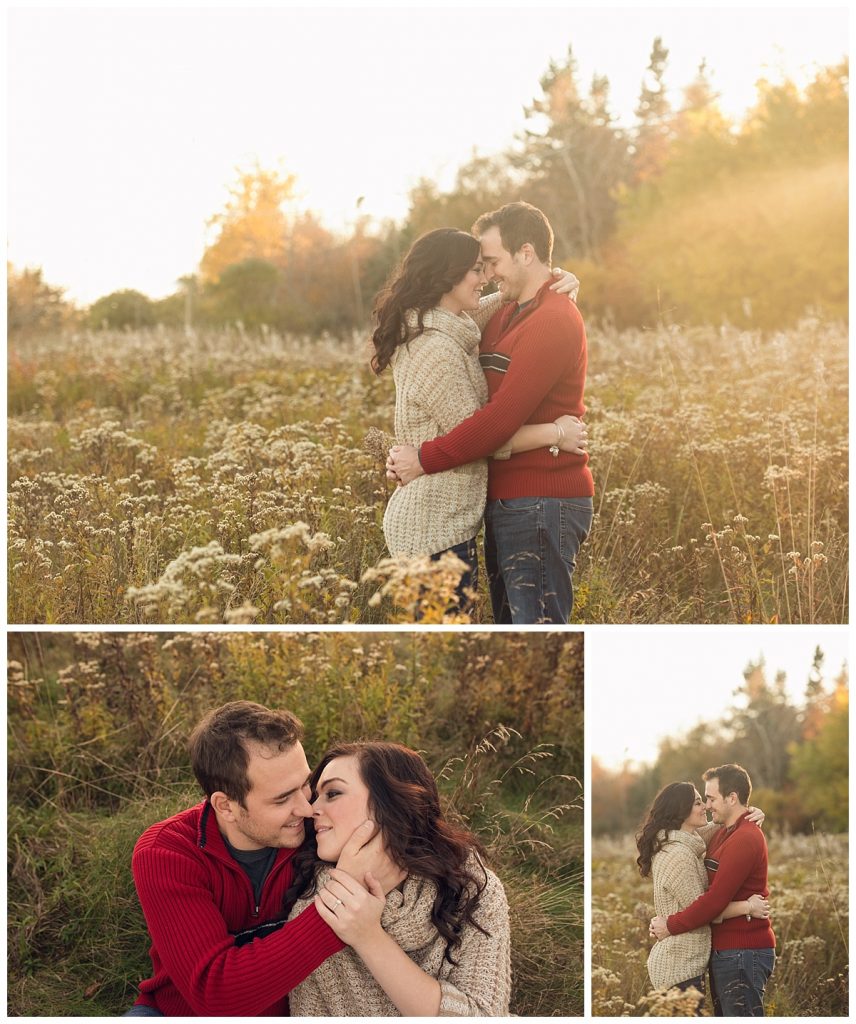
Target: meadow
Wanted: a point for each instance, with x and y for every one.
(97, 731)
(809, 901)
(223, 476)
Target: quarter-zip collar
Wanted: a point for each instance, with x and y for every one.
(515, 313)
(210, 841)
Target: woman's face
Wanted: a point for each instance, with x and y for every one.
(342, 804)
(697, 816)
(467, 292)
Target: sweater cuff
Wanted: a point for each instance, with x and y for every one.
(453, 1002)
(674, 925)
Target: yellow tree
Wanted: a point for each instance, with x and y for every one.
(253, 225)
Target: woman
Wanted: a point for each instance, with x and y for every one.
(439, 944)
(424, 331)
(672, 845)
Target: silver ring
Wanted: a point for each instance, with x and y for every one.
(338, 903)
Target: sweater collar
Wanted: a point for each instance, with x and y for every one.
(210, 839)
(461, 329)
(691, 839)
(539, 297)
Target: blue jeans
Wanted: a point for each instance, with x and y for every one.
(468, 552)
(696, 983)
(738, 978)
(140, 1010)
(530, 550)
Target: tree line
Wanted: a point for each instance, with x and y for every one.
(686, 216)
(796, 756)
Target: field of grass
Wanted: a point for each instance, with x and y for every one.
(809, 900)
(222, 478)
(98, 725)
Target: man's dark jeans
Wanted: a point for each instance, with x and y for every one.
(738, 978)
(531, 547)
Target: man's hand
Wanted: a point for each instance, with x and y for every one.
(403, 464)
(576, 434)
(657, 929)
(351, 910)
(567, 283)
(364, 854)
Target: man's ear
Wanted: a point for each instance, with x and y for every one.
(527, 253)
(223, 806)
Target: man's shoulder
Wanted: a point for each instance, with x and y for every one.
(747, 834)
(181, 831)
(559, 309)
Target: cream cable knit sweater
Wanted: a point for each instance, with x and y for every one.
(478, 985)
(680, 878)
(438, 383)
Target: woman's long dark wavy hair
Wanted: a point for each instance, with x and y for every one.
(404, 801)
(670, 809)
(435, 263)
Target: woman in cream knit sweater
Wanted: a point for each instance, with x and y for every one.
(426, 333)
(439, 944)
(672, 845)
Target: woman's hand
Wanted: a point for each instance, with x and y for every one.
(352, 911)
(576, 434)
(566, 283)
(758, 906)
(756, 815)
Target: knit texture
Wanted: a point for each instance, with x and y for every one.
(479, 985)
(679, 879)
(438, 383)
(195, 898)
(535, 366)
(736, 863)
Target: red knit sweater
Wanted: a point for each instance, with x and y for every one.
(195, 897)
(736, 863)
(535, 365)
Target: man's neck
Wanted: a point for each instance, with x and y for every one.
(738, 814)
(536, 282)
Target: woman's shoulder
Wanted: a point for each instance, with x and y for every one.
(678, 845)
(492, 892)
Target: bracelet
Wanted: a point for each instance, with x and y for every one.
(554, 448)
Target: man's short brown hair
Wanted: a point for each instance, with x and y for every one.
(218, 745)
(518, 224)
(732, 779)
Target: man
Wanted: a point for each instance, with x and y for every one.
(743, 950)
(223, 868)
(533, 353)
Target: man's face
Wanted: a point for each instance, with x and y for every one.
(508, 271)
(277, 803)
(718, 805)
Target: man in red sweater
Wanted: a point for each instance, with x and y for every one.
(743, 949)
(212, 880)
(533, 353)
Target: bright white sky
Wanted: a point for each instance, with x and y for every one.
(692, 673)
(126, 125)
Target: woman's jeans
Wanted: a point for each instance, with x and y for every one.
(530, 550)
(468, 552)
(696, 983)
(738, 978)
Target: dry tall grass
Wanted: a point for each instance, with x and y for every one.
(221, 478)
(809, 899)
